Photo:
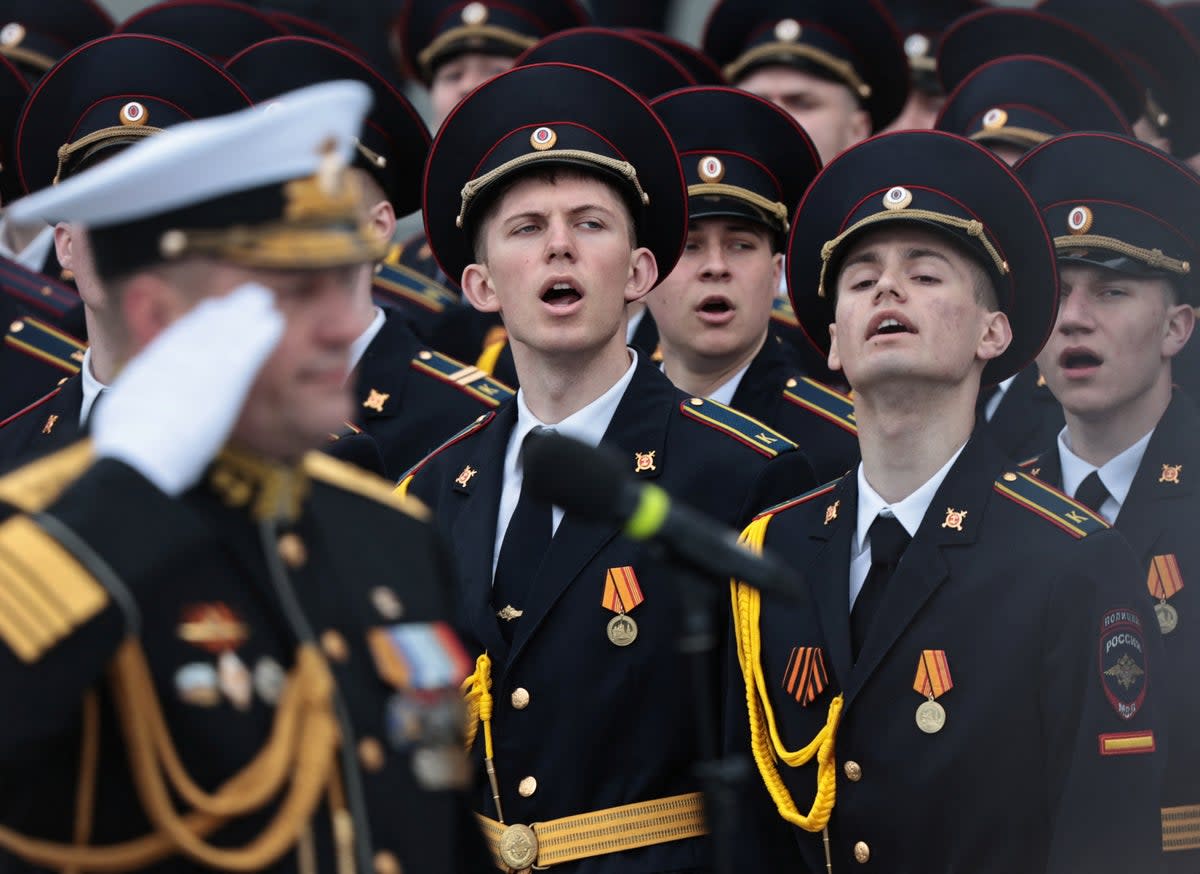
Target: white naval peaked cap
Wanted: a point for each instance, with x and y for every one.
(285, 139)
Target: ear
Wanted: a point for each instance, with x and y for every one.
(383, 219)
(148, 306)
(776, 272)
(834, 360)
(478, 289)
(643, 273)
(859, 127)
(63, 238)
(997, 336)
(1181, 320)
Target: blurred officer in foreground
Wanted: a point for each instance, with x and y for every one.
(556, 194)
(744, 175)
(962, 617)
(1123, 217)
(208, 659)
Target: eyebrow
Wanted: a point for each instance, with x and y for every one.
(573, 211)
(870, 256)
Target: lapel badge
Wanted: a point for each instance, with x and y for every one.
(643, 462)
(954, 518)
(509, 613)
(465, 477)
(213, 627)
(1170, 473)
(1041, 381)
(832, 510)
(375, 400)
(805, 677)
(50, 423)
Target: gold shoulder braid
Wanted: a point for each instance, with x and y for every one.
(765, 741)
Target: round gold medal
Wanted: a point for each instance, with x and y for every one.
(622, 629)
(1168, 617)
(931, 717)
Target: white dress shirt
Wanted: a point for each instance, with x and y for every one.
(1117, 473)
(909, 512)
(92, 387)
(34, 255)
(586, 425)
(993, 403)
(359, 347)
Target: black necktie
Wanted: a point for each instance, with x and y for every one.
(888, 542)
(525, 543)
(1091, 492)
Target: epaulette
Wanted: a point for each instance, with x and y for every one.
(45, 343)
(34, 486)
(802, 499)
(464, 377)
(1049, 503)
(826, 402)
(478, 425)
(35, 290)
(1029, 462)
(781, 311)
(398, 281)
(351, 478)
(741, 427)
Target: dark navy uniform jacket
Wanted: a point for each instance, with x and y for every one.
(1028, 418)
(820, 419)
(1158, 518)
(48, 424)
(1053, 747)
(197, 581)
(604, 725)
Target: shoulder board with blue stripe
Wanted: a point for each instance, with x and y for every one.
(743, 428)
(802, 499)
(465, 377)
(826, 402)
(781, 311)
(478, 425)
(36, 290)
(1049, 503)
(398, 281)
(45, 343)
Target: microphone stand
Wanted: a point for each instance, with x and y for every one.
(720, 777)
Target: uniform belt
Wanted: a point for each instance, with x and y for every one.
(1181, 828)
(611, 830)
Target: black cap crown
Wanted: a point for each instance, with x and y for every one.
(634, 62)
(34, 34)
(218, 28)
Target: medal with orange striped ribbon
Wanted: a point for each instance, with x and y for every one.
(1163, 581)
(933, 680)
(805, 678)
(622, 592)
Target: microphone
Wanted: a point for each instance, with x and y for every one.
(600, 489)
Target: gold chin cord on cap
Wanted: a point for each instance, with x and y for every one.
(844, 70)
(1150, 257)
(95, 139)
(471, 35)
(773, 208)
(973, 227)
(622, 168)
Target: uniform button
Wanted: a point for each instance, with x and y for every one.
(862, 853)
(335, 645)
(520, 698)
(387, 602)
(527, 787)
(370, 755)
(1010, 477)
(853, 771)
(791, 383)
(387, 863)
(292, 550)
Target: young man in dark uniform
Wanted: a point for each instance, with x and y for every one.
(975, 647)
(208, 659)
(1123, 218)
(556, 194)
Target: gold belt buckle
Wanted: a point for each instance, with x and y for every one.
(518, 847)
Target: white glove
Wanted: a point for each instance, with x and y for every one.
(174, 405)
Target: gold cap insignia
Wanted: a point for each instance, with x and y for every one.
(897, 197)
(831, 511)
(711, 169)
(12, 34)
(465, 477)
(643, 461)
(954, 518)
(995, 118)
(1079, 220)
(788, 30)
(1170, 473)
(134, 113)
(917, 45)
(543, 138)
(474, 13)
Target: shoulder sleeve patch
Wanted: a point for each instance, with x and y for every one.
(818, 492)
(745, 429)
(35, 486)
(399, 282)
(1049, 503)
(38, 291)
(465, 377)
(823, 401)
(46, 343)
(352, 478)
(782, 312)
(478, 425)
